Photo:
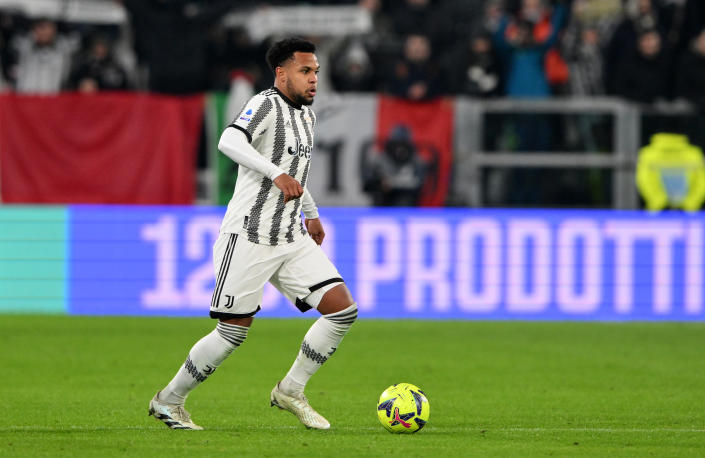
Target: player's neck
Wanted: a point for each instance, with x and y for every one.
(282, 93)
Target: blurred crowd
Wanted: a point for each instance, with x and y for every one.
(643, 50)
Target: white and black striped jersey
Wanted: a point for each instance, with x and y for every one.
(282, 133)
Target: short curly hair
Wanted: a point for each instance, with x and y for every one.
(284, 50)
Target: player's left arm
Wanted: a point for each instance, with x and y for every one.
(313, 223)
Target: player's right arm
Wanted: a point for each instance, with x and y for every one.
(255, 118)
(234, 144)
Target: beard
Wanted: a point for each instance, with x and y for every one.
(298, 99)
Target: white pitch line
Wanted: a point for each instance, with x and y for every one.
(432, 429)
(604, 430)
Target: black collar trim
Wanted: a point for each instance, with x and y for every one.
(286, 99)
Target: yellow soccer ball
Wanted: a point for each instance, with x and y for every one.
(403, 408)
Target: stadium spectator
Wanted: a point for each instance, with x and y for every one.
(380, 43)
(581, 49)
(171, 40)
(415, 75)
(474, 69)
(643, 76)
(639, 16)
(583, 42)
(693, 21)
(41, 60)
(690, 82)
(97, 69)
(523, 42)
(395, 177)
(352, 68)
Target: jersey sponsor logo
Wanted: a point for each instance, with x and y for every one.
(300, 150)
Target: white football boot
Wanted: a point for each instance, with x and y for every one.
(299, 406)
(174, 416)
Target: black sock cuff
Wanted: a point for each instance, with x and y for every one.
(346, 316)
(232, 333)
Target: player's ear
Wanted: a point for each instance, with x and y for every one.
(280, 74)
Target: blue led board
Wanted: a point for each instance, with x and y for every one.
(411, 263)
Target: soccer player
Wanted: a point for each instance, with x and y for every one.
(262, 238)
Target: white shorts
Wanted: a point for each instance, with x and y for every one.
(301, 271)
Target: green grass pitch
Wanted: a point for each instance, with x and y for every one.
(80, 386)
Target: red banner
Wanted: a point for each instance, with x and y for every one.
(102, 148)
(431, 126)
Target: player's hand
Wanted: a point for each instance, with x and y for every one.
(315, 230)
(289, 186)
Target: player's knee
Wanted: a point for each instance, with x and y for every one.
(335, 300)
(245, 322)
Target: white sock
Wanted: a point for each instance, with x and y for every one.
(319, 344)
(203, 359)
